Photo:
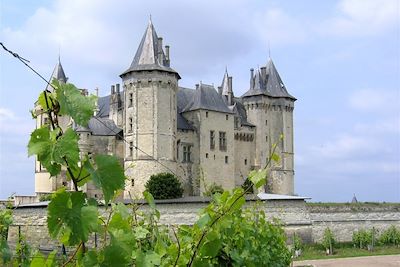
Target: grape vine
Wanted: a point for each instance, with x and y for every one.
(225, 234)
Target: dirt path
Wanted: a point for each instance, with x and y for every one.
(370, 261)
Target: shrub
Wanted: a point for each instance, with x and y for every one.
(362, 238)
(297, 243)
(164, 186)
(328, 240)
(213, 189)
(390, 236)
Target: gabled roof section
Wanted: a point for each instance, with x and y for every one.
(206, 97)
(58, 74)
(268, 83)
(150, 54)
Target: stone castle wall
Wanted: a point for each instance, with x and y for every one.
(307, 220)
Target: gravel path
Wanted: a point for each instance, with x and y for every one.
(370, 261)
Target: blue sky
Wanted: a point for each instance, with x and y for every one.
(340, 59)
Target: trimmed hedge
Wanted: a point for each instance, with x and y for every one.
(164, 186)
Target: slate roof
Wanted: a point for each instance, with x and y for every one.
(206, 97)
(103, 104)
(100, 126)
(58, 74)
(270, 85)
(147, 56)
(240, 110)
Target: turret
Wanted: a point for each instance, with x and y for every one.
(226, 88)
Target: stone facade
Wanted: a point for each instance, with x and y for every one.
(309, 221)
(204, 135)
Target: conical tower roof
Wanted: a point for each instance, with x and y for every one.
(150, 54)
(275, 86)
(58, 74)
(269, 83)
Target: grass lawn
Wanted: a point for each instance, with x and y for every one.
(313, 252)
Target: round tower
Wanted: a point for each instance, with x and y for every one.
(270, 107)
(150, 88)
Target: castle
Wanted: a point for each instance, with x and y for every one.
(203, 135)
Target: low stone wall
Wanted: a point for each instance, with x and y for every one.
(307, 220)
(344, 219)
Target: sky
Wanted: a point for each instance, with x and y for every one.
(340, 59)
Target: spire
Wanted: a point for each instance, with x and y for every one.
(225, 83)
(58, 74)
(150, 54)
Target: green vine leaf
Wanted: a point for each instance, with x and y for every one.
(73, 103)
(67, 148)
(258, 177)
(42, 145)
(108, 175)
(68, 215)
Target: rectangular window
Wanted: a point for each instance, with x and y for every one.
(206, 114)
(184, 154)
(266, 122)
(130, 99)
(226, 159)
(222, 141)
(227, 117)
(130, 149)
(187, 154)
(206, 155)
(130, 125)
(212, 140)
(245, 162)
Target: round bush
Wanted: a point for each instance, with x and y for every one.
(164, 186)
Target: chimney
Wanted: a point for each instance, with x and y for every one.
(230, 83)
(167, 55)
(167, 52)
(220, 90)
(112, 89)
(117, 85)
(230, 92)
(264, 73)
(160, 51)
(251, 78)
(197, 86)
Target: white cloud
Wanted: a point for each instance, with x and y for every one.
(14, 125)
(6, 114)
(374, 100)
(345, 147)
(363, 17)
(277, 27)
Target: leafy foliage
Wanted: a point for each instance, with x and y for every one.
(362, 238)
(70, 217)
(328, 240)
(248, 185)
(213, 189)
(164, 186)
(225, 234)
(390, 236)
(5, 222)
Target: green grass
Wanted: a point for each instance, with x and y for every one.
(314, 252)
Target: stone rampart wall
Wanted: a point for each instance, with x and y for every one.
(308, 220)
